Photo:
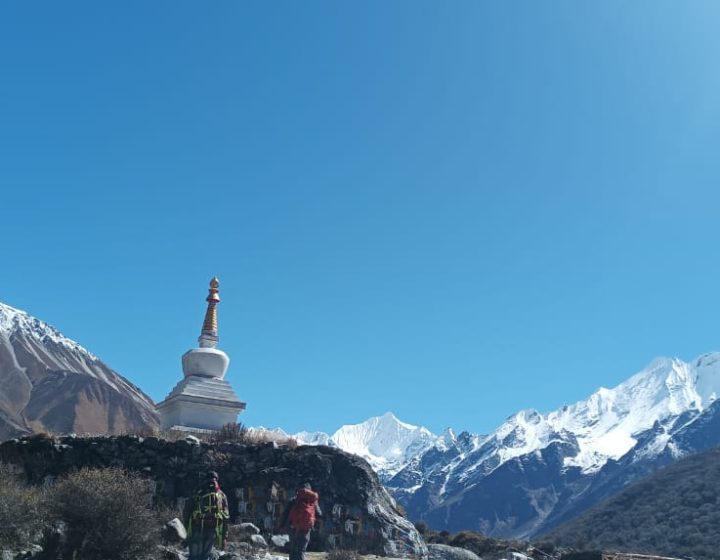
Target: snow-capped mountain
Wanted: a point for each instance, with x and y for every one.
(535, 470)
(49, 382)
(384, 441)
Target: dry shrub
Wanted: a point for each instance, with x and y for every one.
(238, 433)
(343, 554)
(107, 513)
(20, 511)
(232, 432)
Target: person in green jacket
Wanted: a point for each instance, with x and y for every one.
(207, 518)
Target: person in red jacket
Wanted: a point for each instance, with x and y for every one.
(302, 511)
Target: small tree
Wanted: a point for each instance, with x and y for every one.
(20, 513)
(107, 513)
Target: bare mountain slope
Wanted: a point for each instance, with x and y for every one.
(51, 383)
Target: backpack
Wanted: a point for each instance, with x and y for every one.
(209, 506)
(210, 512)
(302, 513)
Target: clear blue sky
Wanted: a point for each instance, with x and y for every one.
(450, 210)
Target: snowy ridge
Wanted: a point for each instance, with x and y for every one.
(13, 320)
(605, 425)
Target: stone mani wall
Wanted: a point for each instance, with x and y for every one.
(258, 480)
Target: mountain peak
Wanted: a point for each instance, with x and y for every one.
(13, 320)
(384, 441)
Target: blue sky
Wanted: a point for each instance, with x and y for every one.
(448, 210)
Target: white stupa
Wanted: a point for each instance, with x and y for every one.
(203, 400)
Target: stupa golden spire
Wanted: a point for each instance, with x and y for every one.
(209, 333)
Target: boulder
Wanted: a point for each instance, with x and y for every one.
(280, 541)
(248, 529)
(242, 532)
(258, 541)
(174, 532)
(446, 552)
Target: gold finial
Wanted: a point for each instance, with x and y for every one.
(214, 290)
(210, 325)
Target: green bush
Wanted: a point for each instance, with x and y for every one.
(674, 512)
(107, 513)
(20, 512)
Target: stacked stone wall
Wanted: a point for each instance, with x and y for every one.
(258, 479)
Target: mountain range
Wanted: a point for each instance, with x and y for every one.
(529, 476)
(536, 471)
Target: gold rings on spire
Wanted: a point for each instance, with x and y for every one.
(210, 325)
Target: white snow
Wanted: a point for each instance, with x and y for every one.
(314, 438)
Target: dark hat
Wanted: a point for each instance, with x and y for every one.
(212, 475)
